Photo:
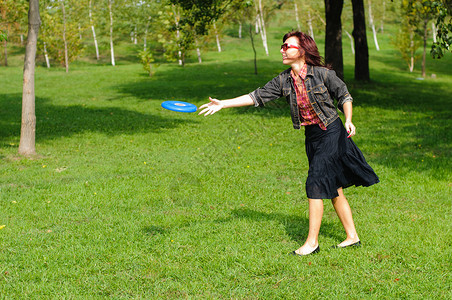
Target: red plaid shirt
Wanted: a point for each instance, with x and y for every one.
(307, 113)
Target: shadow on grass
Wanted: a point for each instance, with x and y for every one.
(296, 226)
(415, 120)
(60, 121)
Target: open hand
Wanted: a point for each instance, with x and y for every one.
(210, 108)
(351, 129)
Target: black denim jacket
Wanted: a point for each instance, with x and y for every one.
(322, 86)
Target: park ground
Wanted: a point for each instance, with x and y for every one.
(128, 200)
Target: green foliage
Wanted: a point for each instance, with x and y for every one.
(147, 60)
(13, 18)
(407, 42)
(199, 15)
(52, 30)
(444, 28)
(3, 36)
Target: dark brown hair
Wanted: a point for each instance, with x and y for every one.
(309, 47)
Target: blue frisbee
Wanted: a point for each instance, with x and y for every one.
(179, 106)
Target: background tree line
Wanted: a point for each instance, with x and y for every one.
(176, 27)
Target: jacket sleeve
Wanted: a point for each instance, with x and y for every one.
(271, 91)
(337, 88)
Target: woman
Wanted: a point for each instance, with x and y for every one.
(335, 162)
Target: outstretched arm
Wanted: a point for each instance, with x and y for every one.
(215, 105)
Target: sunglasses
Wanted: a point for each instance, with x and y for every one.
(286, 46)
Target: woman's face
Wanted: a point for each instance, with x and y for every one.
(291, 55)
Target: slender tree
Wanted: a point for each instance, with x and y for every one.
(28, 127)
(112, 50)
(333, 36)
(359, 34)
(420, 12)
(372, 25)
(91, 21)
(66, 56)
(263, 31)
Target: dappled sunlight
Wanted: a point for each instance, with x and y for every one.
(54, 121)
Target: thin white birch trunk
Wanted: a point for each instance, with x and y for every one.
(311, 29)
(411, 65)
(112, 51)
(257, 25)
(179, 52)
(321, 19)
(80, 32)
(434, 31)
(66, 56)
(93, 30)
(297, 19)
(198, 52)
(351, 41)
(5, 44)
(263, 31)
(217, 37)
(146, 34)
(371, 21)
(240, 29)
(383, 17)
(135, 35)
(46, 56)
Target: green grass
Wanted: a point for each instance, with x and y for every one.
(128, 200)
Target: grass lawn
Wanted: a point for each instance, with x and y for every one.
(128, 200)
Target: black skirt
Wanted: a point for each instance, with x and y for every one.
(334, 162)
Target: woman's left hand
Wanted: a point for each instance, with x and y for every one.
(351, 129)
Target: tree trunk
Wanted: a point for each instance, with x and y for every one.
(92, 29)
(217, 37)
(46, 56)
(5, 43)
(263, 31)
(425, 47)
(383, 17)
(198, 52)
(112, 51)
(240, 29)
(135, 35)
(351, 41)
(333, 36)
(179, 52)
(411, 64)
(297, 19)
(434, 32)
(28, 125)
(254, 49)
(66, 57)
(146, 34)
(372, 25)
(311, 29)
(361, 48)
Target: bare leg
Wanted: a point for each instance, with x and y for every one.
(315, 219)
(344, 213)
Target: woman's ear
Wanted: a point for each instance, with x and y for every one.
(302, 52)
